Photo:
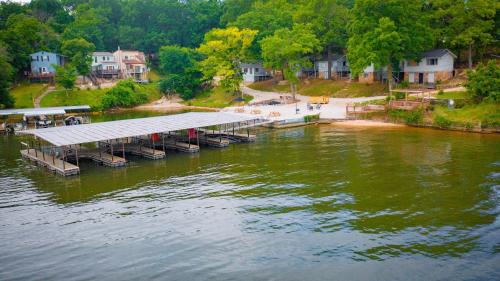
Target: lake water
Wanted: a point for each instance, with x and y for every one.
(309, 203)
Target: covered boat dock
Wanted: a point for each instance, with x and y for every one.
(60, 148)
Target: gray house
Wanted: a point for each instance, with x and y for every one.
(340, 67)
(42, 65)
(253, 72)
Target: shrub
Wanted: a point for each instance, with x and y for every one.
(440, 93)
(484, 82)
(413, 117)
(404, 84)
(311, 118)
(442, 121)
(409, 117)
(123, 95)
(399, 95)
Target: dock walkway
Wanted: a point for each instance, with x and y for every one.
(52, 163)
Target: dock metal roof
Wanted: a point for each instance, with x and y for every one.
(43, 110)
(78, 134)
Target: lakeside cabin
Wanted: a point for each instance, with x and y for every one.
(131, 64)
(42, 66)
(254, 72)
(340, 67)
(435, 65)
(104, 65)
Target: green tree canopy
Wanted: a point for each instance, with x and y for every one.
(383, 32)
(288, 49)
(484, 82)
(465, 24)
(225, 49)
(265, 17)
(329, 20)
(6, 100)
(79, 51)
(66, 77)
(22, 37)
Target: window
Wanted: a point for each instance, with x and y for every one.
(95, 59)
(433, 61)
(126, 57)
(365, 74)
(251, 69)
(41, 57)
(256, 70)
(245, 70)
(48, 58)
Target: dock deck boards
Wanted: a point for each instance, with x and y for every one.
(52, 163)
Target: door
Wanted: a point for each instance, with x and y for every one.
(430, 77)
(411, 77)
(420, 78)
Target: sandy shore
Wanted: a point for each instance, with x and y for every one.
(365, 123)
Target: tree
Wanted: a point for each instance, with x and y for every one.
(225, 50)
(6, 100)
(175, 59)
(384, 32)
(465, 24)
(265, 17)
(79, 51)
(66, 77)
(88, 24)
(329, 19)
(484, 82)
(232, 9)
(22, 37)
(288, 50)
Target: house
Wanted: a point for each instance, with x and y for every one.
(253, 72)
(104, 65)
(372, 74)
(43, 65)
(131, 64)
(435, 65)
(340, 67)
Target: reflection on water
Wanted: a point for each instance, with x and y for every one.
(304, 203)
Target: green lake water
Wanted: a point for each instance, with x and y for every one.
(309, 203)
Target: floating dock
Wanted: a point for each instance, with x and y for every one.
(108, 143)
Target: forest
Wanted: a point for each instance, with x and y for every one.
(191, 41)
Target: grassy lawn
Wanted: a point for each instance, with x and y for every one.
(216, 97)
(270, 86)
(92, 97)
(74, 97)
(24, 94)
(321, 87)
(453, 95)
(473, 113)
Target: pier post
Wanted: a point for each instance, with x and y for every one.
(64, 158)
(248, 131)
(54, 156)
(76, 155)
(154, 146)
(123, 149)
(233, 128)
(220, 135)
(197, 138)
(112, 155)
(163, 141)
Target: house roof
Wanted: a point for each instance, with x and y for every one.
(134, 61)
(437, 53)
(68, 135)
(46, 52)
(102, 54)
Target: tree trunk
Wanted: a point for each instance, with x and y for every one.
(329, 64)
(470, 56)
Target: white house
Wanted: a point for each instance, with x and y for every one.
(253, 72)
(435, 65)
(340, 67)
(104, 64)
